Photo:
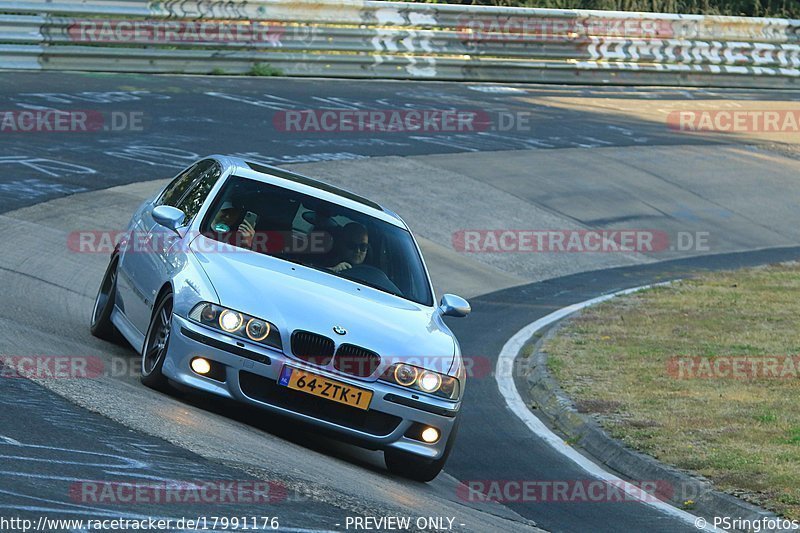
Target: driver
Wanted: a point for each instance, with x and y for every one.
(224, 221)
(351, 247)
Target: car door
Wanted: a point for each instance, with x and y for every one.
(138, 270)
(168, 255)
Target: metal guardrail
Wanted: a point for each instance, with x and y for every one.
(365, 39)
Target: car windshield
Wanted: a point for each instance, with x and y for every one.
(315, 233)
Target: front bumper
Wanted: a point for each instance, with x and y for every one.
(251, 374)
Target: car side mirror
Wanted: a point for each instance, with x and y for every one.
(169, 217)
(452, 305)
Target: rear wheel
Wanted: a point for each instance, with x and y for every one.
(101, 325)
(157, 343)
(414, 467)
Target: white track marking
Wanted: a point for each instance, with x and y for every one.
(9, 440)
(505, 382)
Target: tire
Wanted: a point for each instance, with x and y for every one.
(101, 325)
(156, 344)
(413, 467)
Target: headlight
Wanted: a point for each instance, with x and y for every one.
(236, 324)
(230, 321)
(422, 380)
(405, 375)
(430, 382)
(257, 330)
(208, 313)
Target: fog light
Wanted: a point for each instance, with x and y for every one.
(430, 435)
(201, 366)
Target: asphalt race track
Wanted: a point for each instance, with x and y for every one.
(575, 158)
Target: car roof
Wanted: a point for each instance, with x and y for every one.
(303, 184)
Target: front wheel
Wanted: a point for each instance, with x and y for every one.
(156, 344)
(101, 325)
(413, 467)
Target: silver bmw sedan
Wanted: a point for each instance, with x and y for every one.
(279, 291)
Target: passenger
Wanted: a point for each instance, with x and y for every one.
(350, 247)
(227, 216)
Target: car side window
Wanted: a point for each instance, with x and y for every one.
(175, 191)
(193, 200)
(299, 223)
(178, 187)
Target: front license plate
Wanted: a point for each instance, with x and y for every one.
(330, 389)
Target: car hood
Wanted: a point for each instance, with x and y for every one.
(294, 297)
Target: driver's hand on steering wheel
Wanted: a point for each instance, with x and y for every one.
(344, 265)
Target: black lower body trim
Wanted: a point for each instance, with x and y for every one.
(422, 406)
(236, 350)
